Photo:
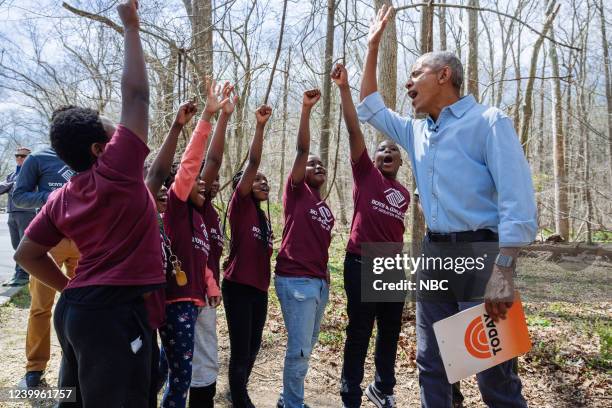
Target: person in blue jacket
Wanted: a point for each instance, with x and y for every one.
(18, 218)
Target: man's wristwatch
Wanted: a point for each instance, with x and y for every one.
(505, 261)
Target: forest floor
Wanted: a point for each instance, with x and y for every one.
(570, 364)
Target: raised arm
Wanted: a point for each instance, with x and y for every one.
(214, 156)
(245, 185)
(369, 84)
(356, 141)
(194, 153)
(162, 165)
(311, 97)
(134, 82)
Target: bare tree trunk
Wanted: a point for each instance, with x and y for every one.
(281, 182)
(586, 173)
(506, 37)
(327, 67)
(387, 64)
(340, 191)
(540, 147)
(551, 12)
(491, 48)
(202, 34)
(427, 13)
(560, 179)
(417, 222)
(442, 25)
(517, 91)
(472, 63)
(165, 100)
(585, 133)
(606, 55)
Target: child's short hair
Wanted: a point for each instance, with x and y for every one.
(73, 131)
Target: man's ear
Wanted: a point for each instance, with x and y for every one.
(97, 149)
(444, 75)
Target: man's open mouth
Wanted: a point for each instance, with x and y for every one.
(412, 94)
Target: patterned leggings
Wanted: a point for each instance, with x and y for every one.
(177, 338)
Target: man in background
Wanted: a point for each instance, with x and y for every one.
(18, 218)
(42, 173)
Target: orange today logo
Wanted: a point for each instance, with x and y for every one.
(481, 337)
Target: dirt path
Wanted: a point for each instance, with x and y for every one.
(560, 372)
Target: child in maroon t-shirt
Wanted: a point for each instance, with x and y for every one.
(155, 178)
(205, 364)
(247, 274)
(380, 205)
(106, 209)
(192, 285)
(301, 280)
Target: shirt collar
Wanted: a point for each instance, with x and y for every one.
(462, 105)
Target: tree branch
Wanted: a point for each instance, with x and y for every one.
(111, 24)
(461, 6)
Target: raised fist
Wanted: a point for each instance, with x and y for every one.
(339, 75)
(128, 12)
(311, 97)
(186, 111)
(262, 114)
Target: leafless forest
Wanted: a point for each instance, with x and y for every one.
(544, 62)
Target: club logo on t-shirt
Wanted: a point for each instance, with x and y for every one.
(216, 236)
(199, 243)
(323, 215)
(257, 234)
(326, 214)
(66, 173)
(395, 197)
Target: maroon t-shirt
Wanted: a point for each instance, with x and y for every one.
(307, 232)
(184, 226)
(215, 236)
(110, 215)
(380, 204)
(249, 258)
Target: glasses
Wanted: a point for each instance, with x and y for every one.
(21, 156)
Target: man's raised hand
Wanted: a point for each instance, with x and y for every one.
(128, 12)
(262, 114)
(378, 24)
(311, 97)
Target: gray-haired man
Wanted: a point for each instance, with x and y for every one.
(474, 186)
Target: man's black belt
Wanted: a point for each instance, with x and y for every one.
(481, 235)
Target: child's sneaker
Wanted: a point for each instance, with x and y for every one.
(378, 398)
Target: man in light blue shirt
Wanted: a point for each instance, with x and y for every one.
(474, 185)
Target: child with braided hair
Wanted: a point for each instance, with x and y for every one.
(247, 274)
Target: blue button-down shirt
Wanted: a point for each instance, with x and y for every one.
(469, 166)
